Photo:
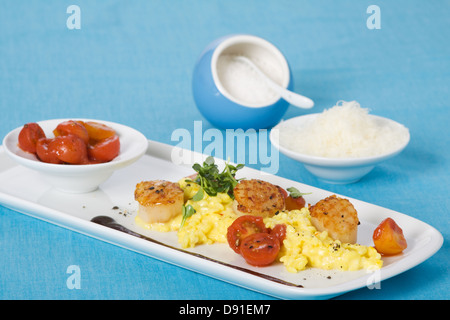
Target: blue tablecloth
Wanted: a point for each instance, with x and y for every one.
(132, 61)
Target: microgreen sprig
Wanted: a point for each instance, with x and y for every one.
(187, 211)
(294, 193)
(212, 181)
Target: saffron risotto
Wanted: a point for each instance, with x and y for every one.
(303, 246)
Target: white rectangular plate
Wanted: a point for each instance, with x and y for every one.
(24, 191)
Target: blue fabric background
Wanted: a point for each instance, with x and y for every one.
(132, 61)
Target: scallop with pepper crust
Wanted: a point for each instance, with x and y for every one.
(159, 200)
(337, 216)
(257, 197)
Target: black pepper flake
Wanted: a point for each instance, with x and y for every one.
(151, 188)
(115, 207)
(336, 246)
(329, 277)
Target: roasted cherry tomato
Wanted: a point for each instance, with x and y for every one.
(279, 231)
(243, 227)
(295, 203)
(388, 238)
(98, 131)
(104, 150)
(260, 249)
(72, 127)
(29, 135)
(46, 151)
(70, 149)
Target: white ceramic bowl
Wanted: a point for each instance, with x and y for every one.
(79, 178)
(333, 170)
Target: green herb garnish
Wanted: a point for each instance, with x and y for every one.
(198, 196)
(186, 211)
(294, 193)
(212, 181)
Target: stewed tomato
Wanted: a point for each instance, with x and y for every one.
(104, 150)
(75, 142)
(98, 131)
(260, 249)
(72, 127)
(70, 149)
(388, 238)
(29, 135)
(295, 203)
(292, 202)
(243, 227)
(46, 151)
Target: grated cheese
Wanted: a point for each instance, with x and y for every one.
(344, 131)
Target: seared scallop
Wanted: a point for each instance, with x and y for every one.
(257, 197)
(337, 216)
(159, 200)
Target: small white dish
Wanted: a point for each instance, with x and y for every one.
(333, 170)
(78, 178)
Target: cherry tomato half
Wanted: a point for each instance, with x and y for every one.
(260, 249)
(243, 227)
(279, 231)
(104, 150)
(98, 131)
(29, 135)
(46, 151)
(72, 127)
(388, 238)
(70, 149)
(295, 203)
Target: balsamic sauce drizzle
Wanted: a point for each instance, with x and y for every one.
(111, 223)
